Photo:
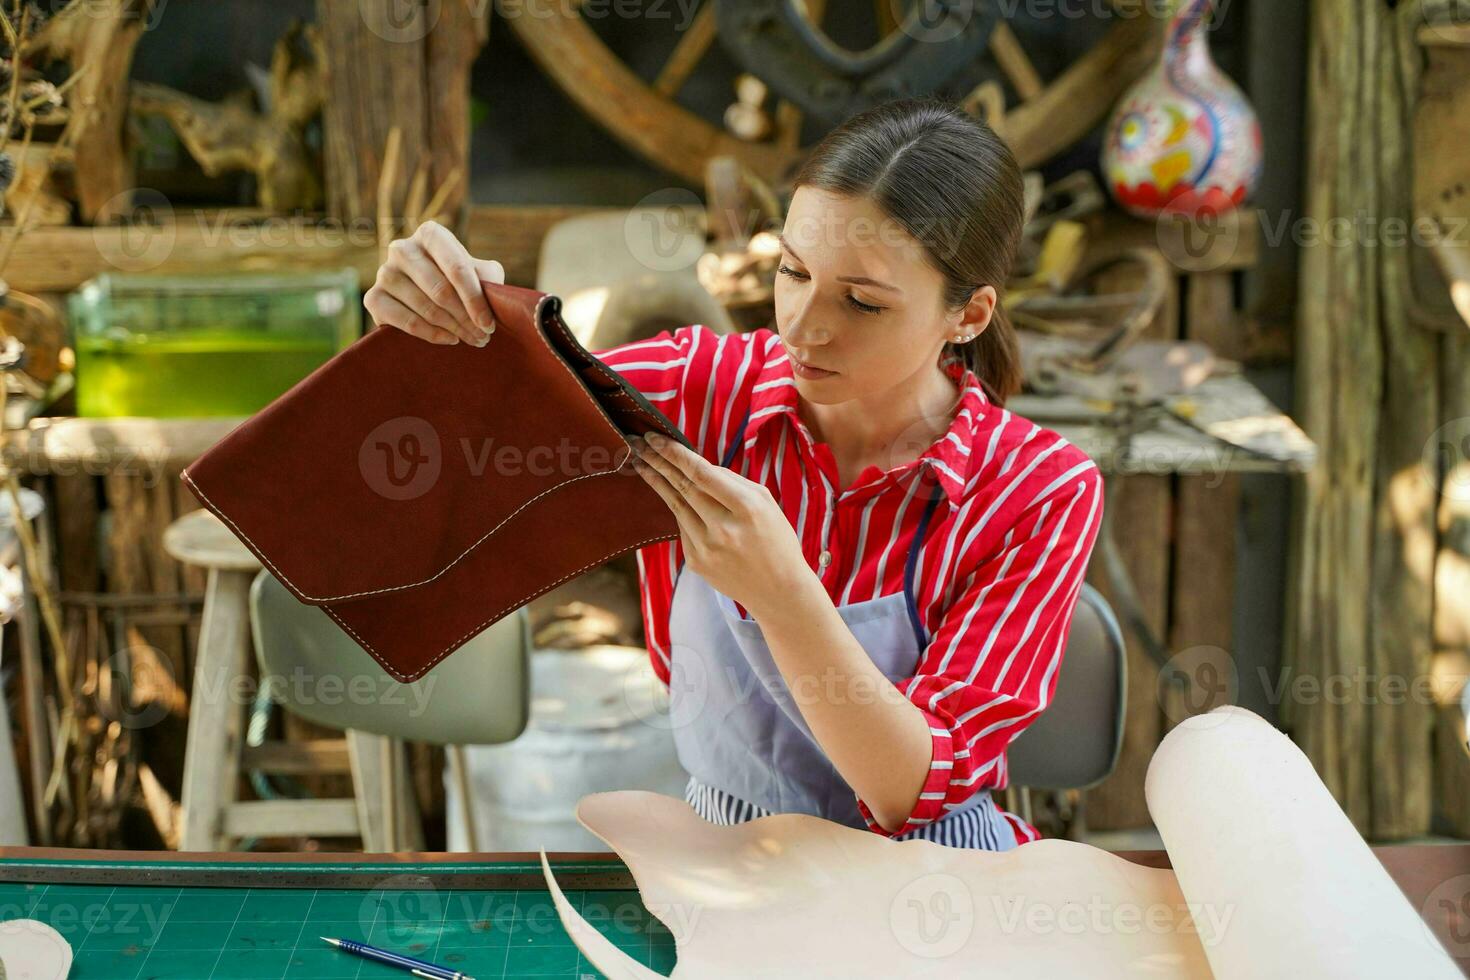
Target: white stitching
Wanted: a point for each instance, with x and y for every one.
(297, 590)
(596, 364)
(456, 644)
(394, 588)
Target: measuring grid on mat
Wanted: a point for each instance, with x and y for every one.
(196, 933)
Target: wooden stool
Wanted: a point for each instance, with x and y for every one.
(212, 817)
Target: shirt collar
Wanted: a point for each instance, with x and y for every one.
(948, 458)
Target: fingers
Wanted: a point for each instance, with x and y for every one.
(395, 284)
(664, 474)
(689, 519)
(711, 481)
(429, 280)
(490, 270)
(458, 271)
(430, 291)
(388, 311)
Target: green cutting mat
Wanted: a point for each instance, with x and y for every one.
(200, 933)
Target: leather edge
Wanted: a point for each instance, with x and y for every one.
(413, 675)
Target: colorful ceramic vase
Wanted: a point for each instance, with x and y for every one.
(1183, 139)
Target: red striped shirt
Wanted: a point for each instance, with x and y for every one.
(997, 577)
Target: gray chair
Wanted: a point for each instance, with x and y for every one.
(1076, 741)
(479, 695)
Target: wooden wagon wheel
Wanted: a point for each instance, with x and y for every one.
(1042, 118)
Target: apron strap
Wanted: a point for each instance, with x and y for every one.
(920, 634)
(737, 441)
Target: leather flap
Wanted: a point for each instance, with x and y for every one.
(385, 468)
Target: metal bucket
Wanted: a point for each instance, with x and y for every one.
(599, 722)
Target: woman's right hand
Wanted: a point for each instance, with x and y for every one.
(430, 287)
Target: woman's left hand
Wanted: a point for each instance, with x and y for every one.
(733, 531)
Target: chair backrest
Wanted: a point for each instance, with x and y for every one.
(478, 695)
(1076, 741)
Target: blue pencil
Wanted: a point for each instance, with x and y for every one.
(419, 968)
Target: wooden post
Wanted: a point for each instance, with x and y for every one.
(215, 721)
(1441, 111)
(1368, 392)
(1141, 527)
(98, 39)
(404, 65)
(1206, 509)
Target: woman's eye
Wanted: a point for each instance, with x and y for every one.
(856, 303)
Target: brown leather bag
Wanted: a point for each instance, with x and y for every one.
(419, 492)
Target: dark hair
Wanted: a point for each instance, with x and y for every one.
(953, 184)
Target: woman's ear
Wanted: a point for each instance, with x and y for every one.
(972, 319)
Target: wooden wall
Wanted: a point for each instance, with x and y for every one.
(1374, 549)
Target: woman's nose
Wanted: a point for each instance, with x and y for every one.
(803, 331)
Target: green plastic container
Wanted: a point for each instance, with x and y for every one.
(183, 346)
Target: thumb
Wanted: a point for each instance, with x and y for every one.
(489, 270)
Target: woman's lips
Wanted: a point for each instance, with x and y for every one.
(807, 371)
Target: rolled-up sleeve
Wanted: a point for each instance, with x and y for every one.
(991, 665)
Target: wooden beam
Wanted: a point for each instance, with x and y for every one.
(457, 36)
(1141, 527)
(1206, 509)
(663, 132)
(687, 53)
(1013, 61)
(1074, 103)
(291, 818)
(142, 447)
(297, 758)
(194, 242)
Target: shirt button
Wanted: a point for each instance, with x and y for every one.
(824, 559)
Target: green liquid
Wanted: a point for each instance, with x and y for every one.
(201, 373)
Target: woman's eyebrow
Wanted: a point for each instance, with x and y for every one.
(855, 280)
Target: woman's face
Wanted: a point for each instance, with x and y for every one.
(856, 296)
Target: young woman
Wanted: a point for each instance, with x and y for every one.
(877, 563)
